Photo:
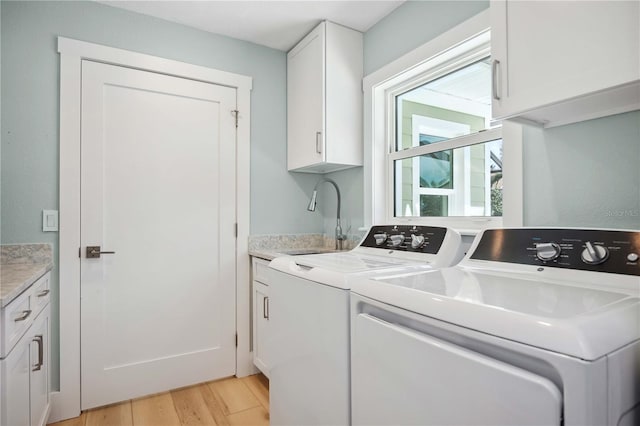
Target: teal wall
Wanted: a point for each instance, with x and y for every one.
(411, 25)
(585, 174)
(30, 113)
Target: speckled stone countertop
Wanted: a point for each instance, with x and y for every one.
(269, 247)
(20, 266)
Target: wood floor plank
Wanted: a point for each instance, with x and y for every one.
(252, 417)
(213, 404)
(76, 421)
(156, 410)
(191, 407)
(110, 415)
(225, 402)
(259, 386)
(233, 395)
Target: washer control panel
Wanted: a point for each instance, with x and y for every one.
(617, 252)
(410, 238)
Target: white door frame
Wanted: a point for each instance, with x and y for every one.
(66, 402)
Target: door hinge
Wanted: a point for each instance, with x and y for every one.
(236, 230)
(236, 340)
(80, 252)
(236, 112)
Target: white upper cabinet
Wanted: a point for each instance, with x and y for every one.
(324, 100)
(558, 62)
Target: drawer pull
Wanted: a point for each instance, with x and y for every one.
(23, 316)
(38, 365)
(43, 293)
(265, 308)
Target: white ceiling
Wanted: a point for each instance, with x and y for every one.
(276, 24)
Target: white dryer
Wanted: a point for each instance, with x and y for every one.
(532, 327)
(309, 314)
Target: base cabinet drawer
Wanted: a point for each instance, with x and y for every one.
(17, 317)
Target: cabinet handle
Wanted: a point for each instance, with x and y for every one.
(265, 307)
(495, 66)
(23, 316)
(38, 365)
(319, 142)
(43, 293)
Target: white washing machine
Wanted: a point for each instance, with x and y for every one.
(532, 327)
(309, 314)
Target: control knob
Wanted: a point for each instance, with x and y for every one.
(396, 240)
(417, 241)
(594, 254)
(380, 238)
(547, 251)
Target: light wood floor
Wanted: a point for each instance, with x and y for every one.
(229, 401)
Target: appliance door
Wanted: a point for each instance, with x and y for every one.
(308, 348)
(402, 376)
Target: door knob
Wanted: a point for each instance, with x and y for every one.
(93, 252)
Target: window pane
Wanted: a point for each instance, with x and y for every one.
(454, 105)
(465, 181)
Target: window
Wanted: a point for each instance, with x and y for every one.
(436, 157)
(465, 179)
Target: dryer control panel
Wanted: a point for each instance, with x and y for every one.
(409, 238)
(616, 252)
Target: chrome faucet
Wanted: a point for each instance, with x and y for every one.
(340, 237)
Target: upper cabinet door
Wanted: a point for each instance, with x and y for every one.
(324, 100)
(558, 62)
(305, 100)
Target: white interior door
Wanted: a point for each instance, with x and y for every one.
(158, 189)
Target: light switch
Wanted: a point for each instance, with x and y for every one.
(49, 220)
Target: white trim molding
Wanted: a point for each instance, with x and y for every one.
(466, 42)
(66, 402)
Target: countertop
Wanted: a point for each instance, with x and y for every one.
(14, 279)
(269, 247)
(20, 266)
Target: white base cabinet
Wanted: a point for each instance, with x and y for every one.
(558, 62)
(324, 100)
(260, 296)
(24, 368)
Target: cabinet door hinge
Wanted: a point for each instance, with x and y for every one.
(236, 340)
(235, 112)
(236, 230)
(80, 252)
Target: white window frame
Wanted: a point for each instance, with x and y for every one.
(438, 57)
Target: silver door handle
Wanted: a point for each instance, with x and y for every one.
(23, 316)
(93, 252)
(319, 142)
(43, 293)
(495, 66)
(38, 365)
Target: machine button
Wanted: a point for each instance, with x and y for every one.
(547, 251)
(396, 240)
(380, 238)
(417, 241)
(632, 257)
(594, 254)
